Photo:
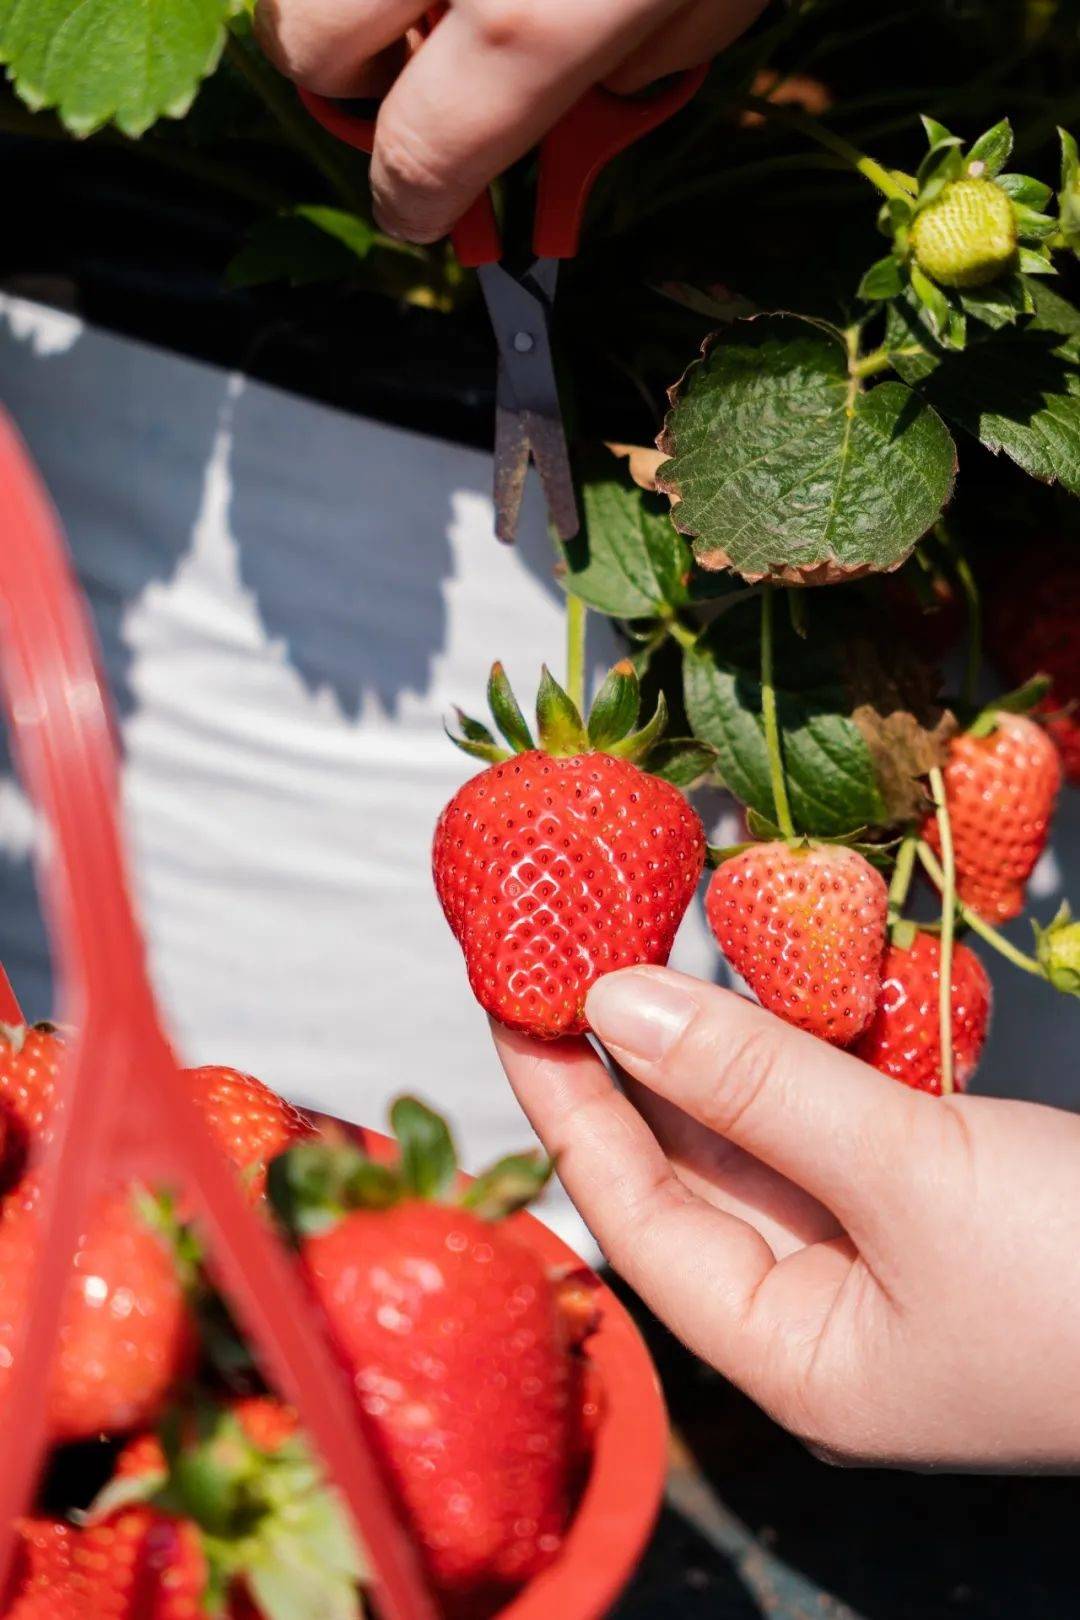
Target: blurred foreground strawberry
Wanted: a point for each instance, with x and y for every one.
(460, 1350)
(125, 1334)
(249, 1122)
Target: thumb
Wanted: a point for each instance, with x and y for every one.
(818, 1116)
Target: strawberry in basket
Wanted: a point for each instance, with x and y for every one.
(460, 1345)
(126, 1333)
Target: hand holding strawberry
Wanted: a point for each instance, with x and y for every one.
(824, 1239)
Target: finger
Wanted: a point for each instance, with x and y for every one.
(696, 1267)
(728, 1177)
(486, 86)
(330, 46)
(695, 34)
(817, 1115)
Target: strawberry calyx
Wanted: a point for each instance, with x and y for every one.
(266, 1518)
(1057, 947)
(560, 729)
(15, 1035)
(1022, 700)
(313, 1185)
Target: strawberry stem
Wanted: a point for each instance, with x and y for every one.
(768, 715)
(901, 879)
(948, 927)
(890, 185)
(979, 925)
(576, 616)
(973, 601)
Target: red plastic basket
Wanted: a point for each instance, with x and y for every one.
(125, 1112)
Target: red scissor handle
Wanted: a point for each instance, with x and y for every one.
(572, 155)
(475, 237)
(583, 142)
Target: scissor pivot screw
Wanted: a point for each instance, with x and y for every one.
(524, 342)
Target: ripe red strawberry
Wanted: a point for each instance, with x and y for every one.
(41, 1586)
(30, 1059)
(1000, 791)
(250, 1122)
(458, 1345)
(559, 864)
(804, 925)
(125, 1334)
(1032, 614)
(904, 1038)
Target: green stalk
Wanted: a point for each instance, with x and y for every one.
(948, 927)
(576, 619)
(872, 364)
(281, 100)
(979, 925)
(768, 715)
(901, 878)
(973, 602)
(868, 167)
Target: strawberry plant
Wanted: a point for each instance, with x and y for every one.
(852, 275)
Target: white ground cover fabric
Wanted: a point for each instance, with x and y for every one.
(289, 600)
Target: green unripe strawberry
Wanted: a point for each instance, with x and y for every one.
(967, 236)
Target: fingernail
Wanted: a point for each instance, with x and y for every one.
(638, 1013)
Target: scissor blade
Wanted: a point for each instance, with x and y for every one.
(527, 405)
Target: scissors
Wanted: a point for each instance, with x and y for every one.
(528, 419)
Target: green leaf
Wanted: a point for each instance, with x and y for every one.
(629, 560)
(1017, 391)
(830, 775)
(859, 723)
(885, 279)
(509, 1185)
(1019, 701)
(615, 709)
(992, 150)
(783, 467)
(508, 716)
(428, 1157)
(561, 728)
(682, 761)
(303, 245)
(128, 62)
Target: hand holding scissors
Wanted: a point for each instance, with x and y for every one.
(528, 417)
